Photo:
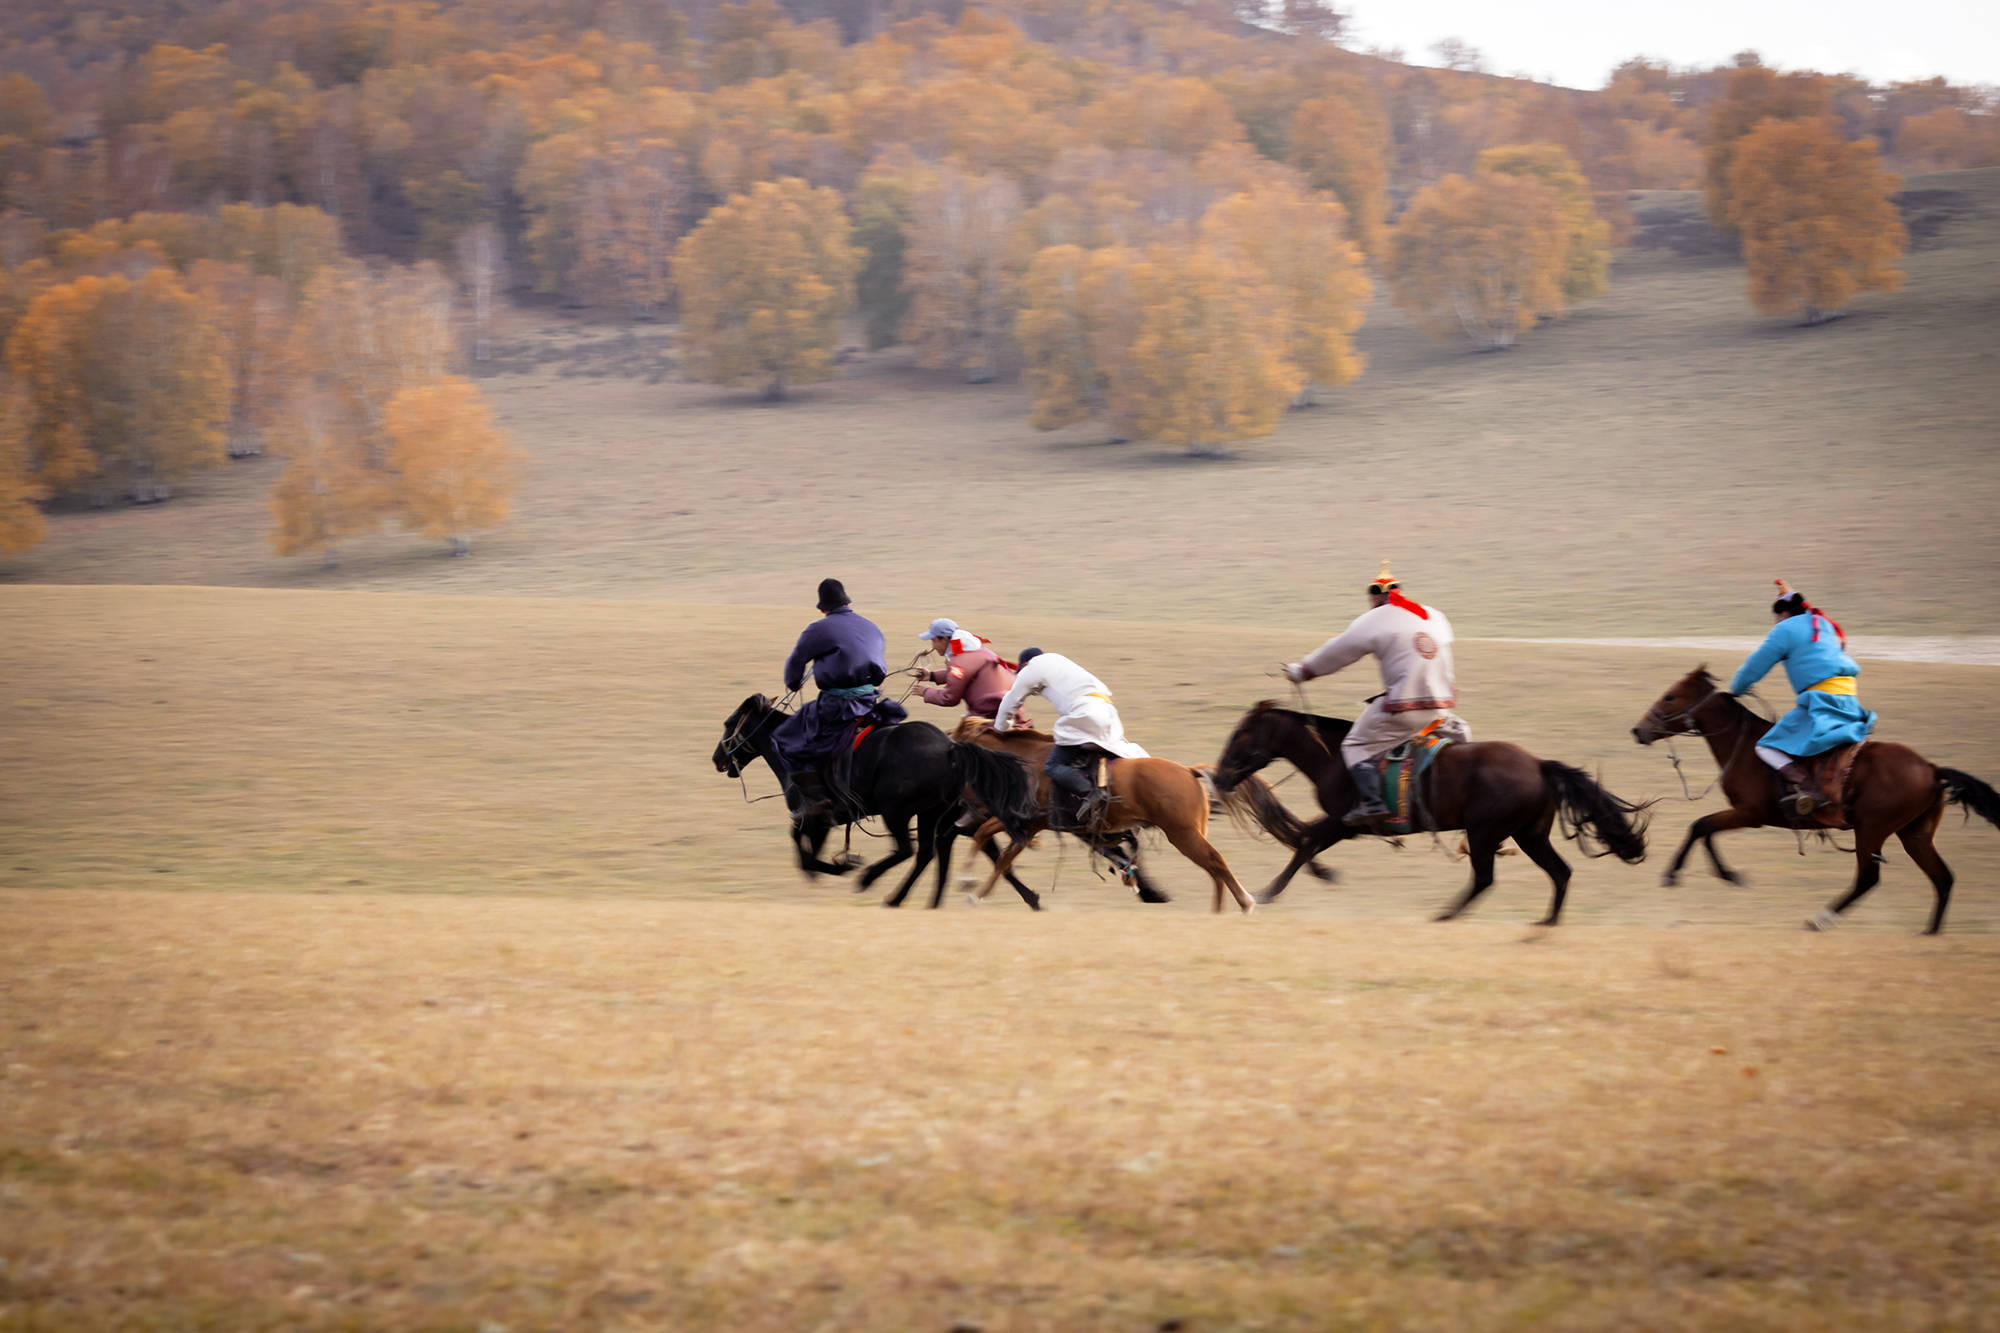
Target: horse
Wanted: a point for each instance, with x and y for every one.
(1493, 790)
(1004, 771)
(901, 773)
(1890, 789)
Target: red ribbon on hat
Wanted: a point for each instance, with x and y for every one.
(1787, 590)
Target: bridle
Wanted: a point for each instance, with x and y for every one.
(1685, 719)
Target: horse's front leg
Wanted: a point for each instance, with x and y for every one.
(1318, 837)
(1705, 828)
(808, 836)
(1867, 874)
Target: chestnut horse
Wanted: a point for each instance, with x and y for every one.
(1891, 789)
(1490, 789)
(1004, 770)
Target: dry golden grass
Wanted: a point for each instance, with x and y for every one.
(432, 1112)
(1646, 466)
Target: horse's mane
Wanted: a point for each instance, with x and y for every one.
(1335, 726)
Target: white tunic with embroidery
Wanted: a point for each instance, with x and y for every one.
(1414, 654)
(1088, 716)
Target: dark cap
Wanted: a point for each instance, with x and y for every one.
(831, 595)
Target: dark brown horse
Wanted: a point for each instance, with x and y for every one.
(1891, 789)
(1491, 789)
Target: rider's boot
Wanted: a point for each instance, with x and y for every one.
(1805, 796)
(1368, 806)
(809, 794)
(1070, 791)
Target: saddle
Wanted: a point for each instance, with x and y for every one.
(1400, 768)
(1832, 771)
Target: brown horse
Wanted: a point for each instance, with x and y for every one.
(1891, 789)
(1004, 770)
(1490, 789)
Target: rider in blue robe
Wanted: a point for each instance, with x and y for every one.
(846, 655)
(1828, 714)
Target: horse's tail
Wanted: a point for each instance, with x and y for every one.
(1253, 805)
(999, 781)
(1970, 792)
(1588, 811)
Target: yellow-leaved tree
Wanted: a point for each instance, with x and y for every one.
(1481, 256)
(1340, 143)
(21, 522)
(764, 280)
(1816, 216)
(1299, 242)
(1587, 258)
(127, 386)
(957, 268)
(329, 491)
(1059, 328)
(454, 468)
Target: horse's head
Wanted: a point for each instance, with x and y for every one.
(1252, 745)
(970, 727)
(740, 734)
(1672, 714)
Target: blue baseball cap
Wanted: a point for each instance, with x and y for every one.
(940, 629)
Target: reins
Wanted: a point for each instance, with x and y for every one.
(1686, 718)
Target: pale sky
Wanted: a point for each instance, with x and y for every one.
(1578, 43)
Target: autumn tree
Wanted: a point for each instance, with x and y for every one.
(454, 468)
(329, 491)
(764, 281)
(1753, 94)
(1587, 254)
(127, 387)
(1817, 218)
(1299, 243)
(1481, 256)
(1340, 143)
(21, 524)
(1063, 334)
(253, 316)
(481, 257)
(959, 273)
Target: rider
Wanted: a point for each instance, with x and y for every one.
(845, 653)
(1089, 724)
(973, 673)
(1827, 714)
(1412, 645)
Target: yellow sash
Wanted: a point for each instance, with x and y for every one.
(1836, 685)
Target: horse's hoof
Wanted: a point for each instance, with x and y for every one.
(1153, 896)
(1324, 874)
(1445, 916)
(1824, 920)
(1730, 877)
(1266, 898)
(1670, 880)
(1034, 904)
(1546, 921)
(972, 900)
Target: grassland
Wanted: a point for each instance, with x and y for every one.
(1644, 467)
(382, 951)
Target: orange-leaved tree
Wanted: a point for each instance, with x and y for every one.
(1299, 242)
(1059, 328)
(21, 522)
(1817, 218)
(1754, 94)
(330, 490)
(1587, 258)
(1482, 256)
(1340, 143)
(454, 468)
(764, 280)
(127, 385)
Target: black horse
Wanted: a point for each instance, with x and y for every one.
(1492, 790)
(902, 773)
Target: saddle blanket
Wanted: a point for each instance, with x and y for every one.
(1400, 768)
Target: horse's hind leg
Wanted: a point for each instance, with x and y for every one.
(1535, 842)
(1201, 851)
(899, 829)
(1481, 845)
(1868, 872)
(1919, 839)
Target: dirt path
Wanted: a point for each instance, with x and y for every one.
(1948, 650)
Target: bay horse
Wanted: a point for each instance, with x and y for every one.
(1493, 790)
(1891, 789)
(901, 773)
(1004, 771)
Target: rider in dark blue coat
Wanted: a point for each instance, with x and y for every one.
(845, 653)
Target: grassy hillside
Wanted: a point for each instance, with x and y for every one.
(1645, 466)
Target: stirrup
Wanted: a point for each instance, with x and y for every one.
(1362, 814)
